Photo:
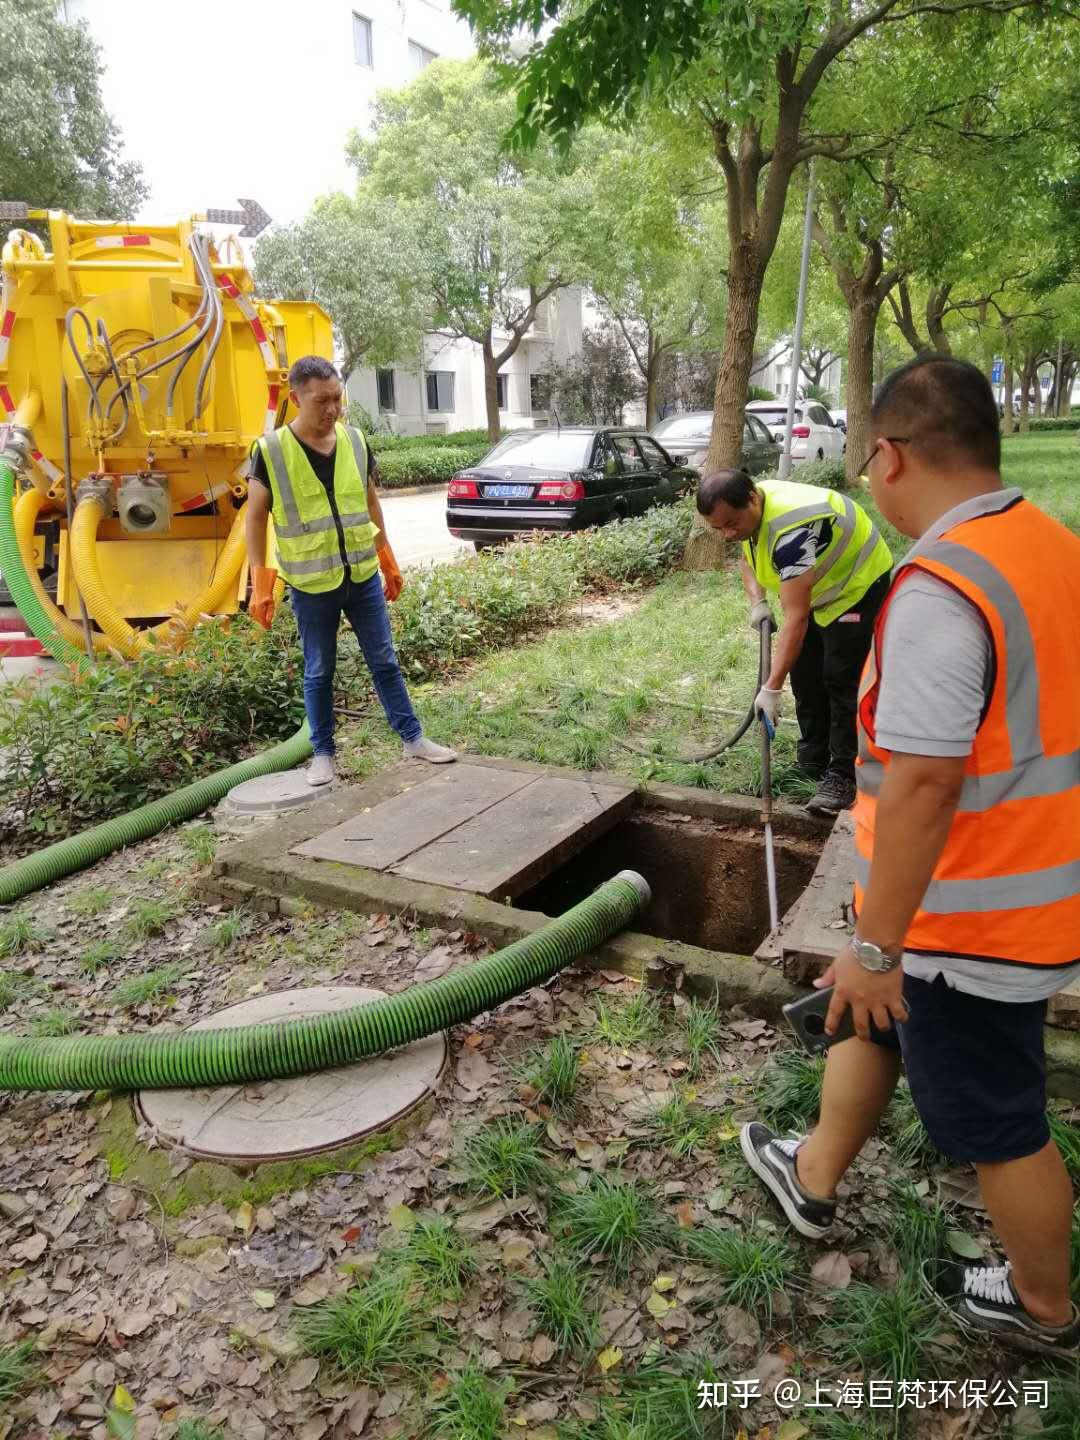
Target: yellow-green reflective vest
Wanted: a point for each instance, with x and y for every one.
(309, 556)
(855, 558)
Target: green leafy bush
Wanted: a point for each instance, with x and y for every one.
(828, 473)
(106, 742)
(1054, 422)
(121, 734)
(382, 442)
(426, 464)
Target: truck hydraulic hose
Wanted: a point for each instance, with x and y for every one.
(24, 876)
(89, 513)
(322, 1042)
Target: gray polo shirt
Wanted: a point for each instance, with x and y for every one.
(936, 674)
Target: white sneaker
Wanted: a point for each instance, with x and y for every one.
(321, 770)
(425, 749)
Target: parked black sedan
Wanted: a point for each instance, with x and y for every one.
(562, 479)
(689, 433)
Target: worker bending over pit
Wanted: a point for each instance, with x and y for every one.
(318, 479)
(823, 556)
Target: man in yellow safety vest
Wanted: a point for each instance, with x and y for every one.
(317, 478)
(822, 554)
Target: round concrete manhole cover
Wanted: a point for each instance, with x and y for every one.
(269, 793)
(272, 1120)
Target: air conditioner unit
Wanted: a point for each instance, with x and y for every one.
(435, 429)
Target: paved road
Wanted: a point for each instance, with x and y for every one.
(416, 525)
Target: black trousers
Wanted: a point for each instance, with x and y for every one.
(825, 680)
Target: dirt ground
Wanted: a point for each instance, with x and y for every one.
(193, 1313)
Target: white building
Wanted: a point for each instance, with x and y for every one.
(446, 392)
(773, 372)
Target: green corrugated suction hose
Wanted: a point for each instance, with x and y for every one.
(55, 861)
(320, 1042)
(14, 573)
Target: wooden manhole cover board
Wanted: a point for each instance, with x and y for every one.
(491, 832)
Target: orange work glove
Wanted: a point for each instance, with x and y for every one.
(261, 604)
(392, 578)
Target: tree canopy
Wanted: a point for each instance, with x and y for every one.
(60, 149)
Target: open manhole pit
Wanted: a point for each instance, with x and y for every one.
(707, 877)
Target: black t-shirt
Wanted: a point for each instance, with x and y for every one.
(323, 465)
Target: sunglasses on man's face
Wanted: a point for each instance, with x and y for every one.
(893, 440)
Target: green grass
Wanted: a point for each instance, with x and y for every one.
(154, 985)
(787, 1090)
(441, 1257)
(684, 1126)
(752, 1263)
(155, 868)
(223, 934)
(54, 1023)
(200, 842)
(371, 1331)
(198, 1430)
(1067, 1138)
(15, 987)
(94, 900)
(917, 1228)
(553, 1072)
(149, 918)
(700, 1022)
(888, 1333)
(906, 1135)
(99, 954)
(617, 1219)
(1061, 1418)
(18, 1370)
(471, 1409)
(659, 1401)
(560, 1302)
(18, 934)
(624, 1023)
(506, 1158)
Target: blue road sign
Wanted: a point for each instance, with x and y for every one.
(997, 375)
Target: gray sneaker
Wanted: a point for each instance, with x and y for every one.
(425, 749)
(321, 770)
(772, 1159)
(987, 1300)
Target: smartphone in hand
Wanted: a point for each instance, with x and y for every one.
(807, 1018)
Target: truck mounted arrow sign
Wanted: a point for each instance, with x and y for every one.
(251, 216)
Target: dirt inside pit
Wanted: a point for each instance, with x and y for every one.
(707, 878)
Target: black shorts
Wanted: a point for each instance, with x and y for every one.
(976, 1068)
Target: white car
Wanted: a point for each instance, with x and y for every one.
(839, 418)
(814, 435)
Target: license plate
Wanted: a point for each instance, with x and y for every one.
(508, 492)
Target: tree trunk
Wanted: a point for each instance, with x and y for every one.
(936, 302)
(1007, 425)
(1069, 376)
(706, 549)
(1036, 390)
(1025, 385)
(652, 373)
(491, 390)
(862, 326)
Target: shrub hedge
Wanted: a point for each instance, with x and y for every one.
(383, 442)
(425, 464)
(79, 752)
(1053, 422)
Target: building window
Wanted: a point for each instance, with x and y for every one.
(384, 379)
(440, 389)
(501, 388)
(539, 394)
(419, 55)
(363, 53)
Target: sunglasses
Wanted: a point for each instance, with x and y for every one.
(893, 440)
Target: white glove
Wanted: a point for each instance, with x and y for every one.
(768, 703)
(759, 611)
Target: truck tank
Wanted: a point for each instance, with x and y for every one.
(140, 367)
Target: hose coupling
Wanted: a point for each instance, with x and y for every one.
(16, 444)
(97, 487)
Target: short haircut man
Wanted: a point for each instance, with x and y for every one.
(943, 407)
(311, 367)
(727, 487)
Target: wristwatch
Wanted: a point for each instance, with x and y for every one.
(873, 957)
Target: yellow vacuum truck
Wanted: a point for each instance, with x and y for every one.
(136, 369)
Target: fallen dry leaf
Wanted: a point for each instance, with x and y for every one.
(134, 1323)
(609, 1358)
(300, 1375)
(30, 1249)
(832, 1271)
(244, 1219)
(264, 1299)
(401, 1218)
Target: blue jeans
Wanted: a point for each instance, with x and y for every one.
(317, 619)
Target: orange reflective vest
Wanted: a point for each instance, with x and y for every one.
(1007, 885)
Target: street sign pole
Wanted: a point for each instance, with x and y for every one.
(800, 315)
